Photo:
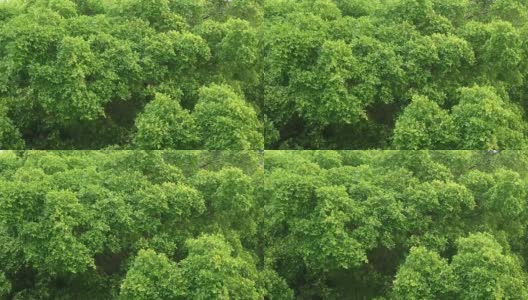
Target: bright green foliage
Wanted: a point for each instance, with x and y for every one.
(52, 244)
(241, 74)
(85, 74)
(497, 47)
(164, 124)
(211, 271)
(226, 121)
(484, 271)
(354, 74)
(397, 224)
(234, 47)
(289, 225)
(484, 121)
(479, 270)
(157, 13)
(480, 120)
(151, 276)
(423, 275)
(424, 125)
(131, 225)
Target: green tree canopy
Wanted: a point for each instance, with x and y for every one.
(397, 224)
(131, 225)
(480, 120)
(347, 74)
(86, 74)
(280, 225)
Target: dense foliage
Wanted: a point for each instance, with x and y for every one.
(148, 74)
(398, 225)
(132, 225)
(403, 74)
(290, 225)
(241, 74)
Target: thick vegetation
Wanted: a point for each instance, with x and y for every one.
(147, 74)
(241, 74)
(163, 225)
(132, 225)
(393, 225)
(404, 74)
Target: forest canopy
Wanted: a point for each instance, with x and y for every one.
(157, 225)
(396, 74)
(148, 74)
(132, 225)
(398, 225)
(255, 74)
